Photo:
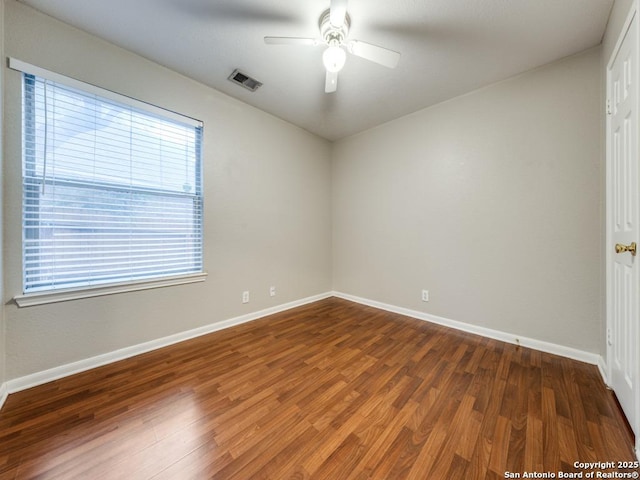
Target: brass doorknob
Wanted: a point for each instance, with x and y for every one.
(620, 248)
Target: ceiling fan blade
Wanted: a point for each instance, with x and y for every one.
(331, 82)
(374, 53)
(291, 41)
(337, 12)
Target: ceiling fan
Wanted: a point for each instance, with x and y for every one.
(334, 30)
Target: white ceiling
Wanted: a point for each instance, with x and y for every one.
(449, 47)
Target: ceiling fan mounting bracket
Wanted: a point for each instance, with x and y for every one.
(332, 35)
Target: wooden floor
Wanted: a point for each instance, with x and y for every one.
(331, 390)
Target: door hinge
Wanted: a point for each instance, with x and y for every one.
(609, 112)
(609, 337)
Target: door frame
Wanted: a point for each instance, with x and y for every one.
(609, 251)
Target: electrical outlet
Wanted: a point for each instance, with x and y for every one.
(245, 297)
(272, 291)
(425, 295)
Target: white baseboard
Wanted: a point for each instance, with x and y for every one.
(575, 354)
(39, 378)
(604, 369)
(4, 393)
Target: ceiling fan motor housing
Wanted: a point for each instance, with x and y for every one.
(332, 35)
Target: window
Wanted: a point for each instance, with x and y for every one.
(112, 189)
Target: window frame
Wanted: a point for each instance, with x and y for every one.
(40, 297)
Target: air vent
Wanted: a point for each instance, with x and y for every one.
(245, 80)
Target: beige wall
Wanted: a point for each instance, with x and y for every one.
(267, 207)
(2, 321)
(491, 201)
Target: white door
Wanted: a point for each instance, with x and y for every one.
(623, 331)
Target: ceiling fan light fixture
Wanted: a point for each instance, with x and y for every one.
(334, 58)
(334, 32)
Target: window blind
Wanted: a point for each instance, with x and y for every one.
(111, 192)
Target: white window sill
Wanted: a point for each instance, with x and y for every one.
(64, 295)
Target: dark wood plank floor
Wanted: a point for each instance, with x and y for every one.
(331, 390)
